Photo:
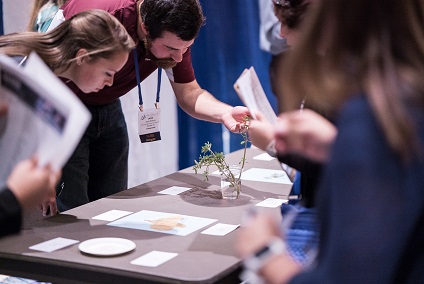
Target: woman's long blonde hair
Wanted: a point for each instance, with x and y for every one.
(101, 34)
(376, 47)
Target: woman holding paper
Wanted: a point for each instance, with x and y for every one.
(87, 49)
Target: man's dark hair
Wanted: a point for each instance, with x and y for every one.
(183, 18)
(291, 12)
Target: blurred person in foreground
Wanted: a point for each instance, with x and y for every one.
(27, 187)
(302, 130)
(362, 61)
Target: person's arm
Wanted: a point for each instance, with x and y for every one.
(272, 271)
(26, 187)
(254, 238)
(33, 185)
(10, 213)
(202, 105)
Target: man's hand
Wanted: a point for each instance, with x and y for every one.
(235, 119)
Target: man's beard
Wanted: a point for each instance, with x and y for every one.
(164, 63)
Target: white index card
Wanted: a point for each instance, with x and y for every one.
(174, 190)
(112, 215)
(154, 258)
(220, 229)
(54, 244)
(271, 202)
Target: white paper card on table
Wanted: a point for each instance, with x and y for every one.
(266, 175)
(154, 258)
(174, 190)
(112, 215)
(54, 244)
(168, 223)
(220, 229)
(264, 157)
(272, 202)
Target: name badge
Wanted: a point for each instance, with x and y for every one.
(149, 125)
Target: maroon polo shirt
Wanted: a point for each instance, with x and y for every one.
(125, 80)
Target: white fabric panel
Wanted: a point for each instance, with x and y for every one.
(15, 15)
(155, 159)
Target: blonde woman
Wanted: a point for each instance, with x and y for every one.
(90, 43)
(87, 50)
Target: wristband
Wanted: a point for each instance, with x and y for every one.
(256, 261)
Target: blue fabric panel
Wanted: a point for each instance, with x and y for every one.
(226, 45)
(1, 18)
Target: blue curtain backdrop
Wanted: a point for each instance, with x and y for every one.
(227, 44)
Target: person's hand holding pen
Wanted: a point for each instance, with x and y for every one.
(306, 133)
(256, 231)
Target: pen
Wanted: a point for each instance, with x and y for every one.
(302, 106)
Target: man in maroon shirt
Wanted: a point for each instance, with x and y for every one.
(164, 31)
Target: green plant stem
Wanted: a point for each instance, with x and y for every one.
(209, 157)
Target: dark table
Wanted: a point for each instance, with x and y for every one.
(201, 258)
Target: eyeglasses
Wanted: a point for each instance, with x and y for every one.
(282, 3)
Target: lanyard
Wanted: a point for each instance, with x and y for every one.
(137, 74)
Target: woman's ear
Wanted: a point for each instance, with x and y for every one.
(81, 55)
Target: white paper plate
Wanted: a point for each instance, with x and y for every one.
(106, 246)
